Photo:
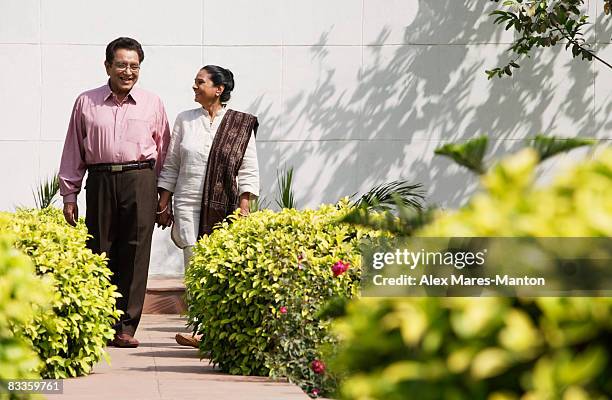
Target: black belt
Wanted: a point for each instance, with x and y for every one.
(147, 164)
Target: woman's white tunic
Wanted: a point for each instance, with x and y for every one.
(185, 168)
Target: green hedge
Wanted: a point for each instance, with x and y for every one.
(71, 335)
(255, 288)
(21, 294)
(493, 348)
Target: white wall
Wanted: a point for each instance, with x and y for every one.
(349, 92)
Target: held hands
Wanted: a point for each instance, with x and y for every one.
(71, 213)
(164, 216)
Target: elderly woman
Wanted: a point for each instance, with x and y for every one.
(211, 166)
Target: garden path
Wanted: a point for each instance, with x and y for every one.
(159, 369)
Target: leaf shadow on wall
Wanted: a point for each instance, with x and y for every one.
(406, 100)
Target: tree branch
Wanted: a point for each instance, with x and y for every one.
(576, 43)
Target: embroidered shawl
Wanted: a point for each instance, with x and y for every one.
(220, 196)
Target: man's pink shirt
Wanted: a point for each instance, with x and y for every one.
(102, 131)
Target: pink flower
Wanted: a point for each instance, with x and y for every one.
(301, 256)
(318, 367)
(283, 310)
(340, 267)
(315, 392)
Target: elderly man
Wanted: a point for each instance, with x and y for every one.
(118, 134)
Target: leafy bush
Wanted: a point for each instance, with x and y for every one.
(21, 292)
(577, 205)
(69, 337)
(255, 287)
(493, 348)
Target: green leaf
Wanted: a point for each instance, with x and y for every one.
(469, 154)
(284, 182)
(46, 192)
(549, 146)
(387, 196)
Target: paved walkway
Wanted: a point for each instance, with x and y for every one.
(162, 370)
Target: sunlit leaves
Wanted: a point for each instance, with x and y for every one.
(493, 347)
(22, 294)
(255, 288)
(542, 23)
(71, 335)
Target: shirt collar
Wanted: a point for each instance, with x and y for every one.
(133, 96)
(220, 113)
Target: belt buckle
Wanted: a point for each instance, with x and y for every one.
(116, 168)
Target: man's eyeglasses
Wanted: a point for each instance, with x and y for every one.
(123, 67)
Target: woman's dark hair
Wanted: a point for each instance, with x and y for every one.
(221, 76)
(123, 43)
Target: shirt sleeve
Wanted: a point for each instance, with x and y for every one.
(248, 174)
(72, 165)
(169, 173)
(162, 136)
